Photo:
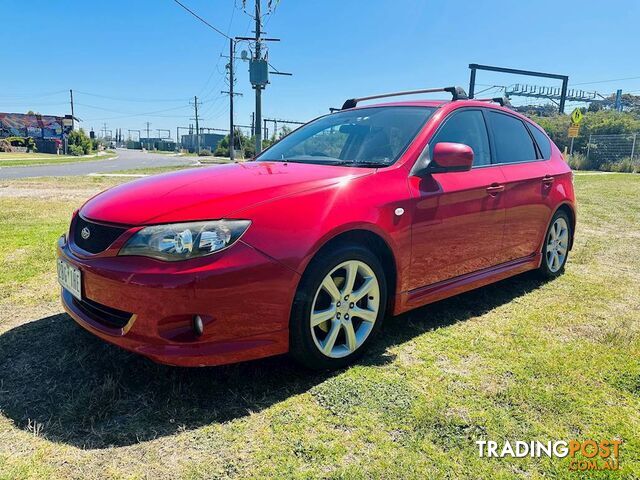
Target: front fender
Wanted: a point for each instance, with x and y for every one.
(293, 229)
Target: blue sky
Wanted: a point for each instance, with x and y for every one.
(134, 61)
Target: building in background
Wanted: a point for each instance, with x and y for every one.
(208, 141)
(34, 126)
(47, 131)
(153, 144)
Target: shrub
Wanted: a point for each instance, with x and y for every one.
(221, 151)
(578, 161)
(76, 150)
(78, 138)
(626, 165)
(16, 141)
(205, 153)
(4, 145)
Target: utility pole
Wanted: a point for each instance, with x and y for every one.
(259, 72)
(231, 93)
(258, 120)
(232, 143)
(195, 106)
(148, 135)
(72, 115)
(104, 130)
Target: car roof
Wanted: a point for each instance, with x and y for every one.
(454, 104)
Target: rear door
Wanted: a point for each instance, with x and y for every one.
(527, 183)
(458, 217)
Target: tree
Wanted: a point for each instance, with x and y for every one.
(79, 143)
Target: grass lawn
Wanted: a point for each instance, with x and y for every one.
(11, 159)
(518, 360)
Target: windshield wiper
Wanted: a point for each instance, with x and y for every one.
(364, 163)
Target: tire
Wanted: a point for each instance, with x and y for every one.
(555, 247)
(306, 342)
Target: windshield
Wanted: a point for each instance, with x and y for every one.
(375, 136)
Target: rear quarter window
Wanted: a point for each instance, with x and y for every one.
(543, 142)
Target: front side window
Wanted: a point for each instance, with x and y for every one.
(512, 140)
(375, 136)
(466, 127)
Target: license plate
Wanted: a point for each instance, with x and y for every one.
(70, 278)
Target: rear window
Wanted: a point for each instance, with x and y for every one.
(542, 141)
(512, 140)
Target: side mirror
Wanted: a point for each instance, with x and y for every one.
(451, 157)
(447, 157)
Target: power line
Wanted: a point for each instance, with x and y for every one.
(135, 114)
(203, 20)
(123, 99)
(605, 81)
(215, 68)
(131, 113)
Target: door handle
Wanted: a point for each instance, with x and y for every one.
(494, 189)
(547, 180)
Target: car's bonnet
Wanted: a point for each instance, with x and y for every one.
(208, 193)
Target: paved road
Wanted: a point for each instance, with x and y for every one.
(127, 159)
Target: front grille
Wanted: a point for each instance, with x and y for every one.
(100, 236)
(107, 316)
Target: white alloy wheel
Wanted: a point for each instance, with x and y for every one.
(345, 309)
(557, 245)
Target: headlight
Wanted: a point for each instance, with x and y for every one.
(181, 241)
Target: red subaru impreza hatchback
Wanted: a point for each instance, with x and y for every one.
(366, 211)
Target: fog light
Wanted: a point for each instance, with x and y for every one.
(198, 325)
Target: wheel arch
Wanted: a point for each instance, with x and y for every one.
(374, 242)
(570, 211)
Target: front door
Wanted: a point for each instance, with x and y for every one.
(458, 217)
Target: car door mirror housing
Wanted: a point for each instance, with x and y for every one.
(451, 157)
(447, 157)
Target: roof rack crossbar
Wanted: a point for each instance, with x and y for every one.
(501, 100)
(457, 93)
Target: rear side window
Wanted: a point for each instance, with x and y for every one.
(466, 127)
(542, 141)
(511, 138)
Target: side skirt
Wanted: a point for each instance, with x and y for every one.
(447, 288)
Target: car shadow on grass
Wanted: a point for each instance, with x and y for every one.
(63, 383)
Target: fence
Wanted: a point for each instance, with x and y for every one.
(613, 148)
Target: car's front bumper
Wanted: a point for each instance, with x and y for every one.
(243, 296)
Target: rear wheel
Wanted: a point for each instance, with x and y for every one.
(556, 245)
(338, 307)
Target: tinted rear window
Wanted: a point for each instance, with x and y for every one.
(512, 141)
(542, 141)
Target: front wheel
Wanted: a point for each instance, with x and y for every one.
(555, 249)
(338, 307)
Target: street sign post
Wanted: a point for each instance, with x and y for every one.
(574, 130)
(576, 116)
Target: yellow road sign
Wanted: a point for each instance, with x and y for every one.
(573, 131)
(576, 116)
